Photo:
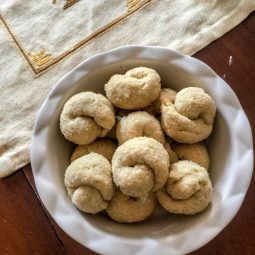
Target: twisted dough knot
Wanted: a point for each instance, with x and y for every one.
(140, 165)
(136, 89)
(190, 118)
(89, 183)
(85, 117)
(139, 124)
(123, 208)
(196, 152)
(105, 147)
(188, 189)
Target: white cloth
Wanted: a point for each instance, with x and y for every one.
(63, 38)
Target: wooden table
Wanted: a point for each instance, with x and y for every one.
(26, 228)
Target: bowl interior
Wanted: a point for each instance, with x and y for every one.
(160, 223)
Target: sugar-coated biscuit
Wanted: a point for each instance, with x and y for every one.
(188, 189)
(140, 165)
(88, 180)
(85, 117)
(134, 90)
(190, 118)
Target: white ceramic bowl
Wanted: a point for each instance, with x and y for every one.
(230, 148)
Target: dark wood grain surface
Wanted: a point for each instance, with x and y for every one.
(26, 227)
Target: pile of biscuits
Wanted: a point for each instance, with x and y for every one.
(137, 145)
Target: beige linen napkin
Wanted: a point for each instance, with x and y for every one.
(40, 41)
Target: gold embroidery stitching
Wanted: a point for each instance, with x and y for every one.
(40, 69)
(132, 3)
(69, 3)
(40, 58)
(16, 42)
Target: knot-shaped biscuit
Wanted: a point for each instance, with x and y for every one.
(136, 89)
(140, 165)
(188, 189)
(190, 118)
(89, 183)
(195, 152)
(166, 95)
(102, 146)
(123, 208)
(85, 117)
(139, 124)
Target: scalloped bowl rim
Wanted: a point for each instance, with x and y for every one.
(95, 238)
